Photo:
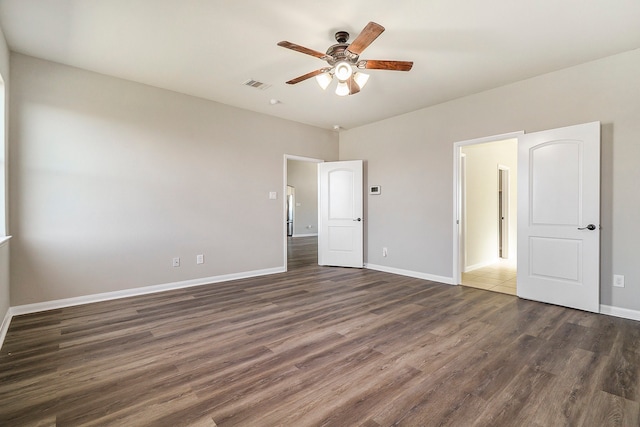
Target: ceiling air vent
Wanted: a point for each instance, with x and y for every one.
(256, 84)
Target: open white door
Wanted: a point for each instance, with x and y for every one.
(340, 220)
(559, 216)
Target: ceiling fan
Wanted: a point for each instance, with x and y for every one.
(343, 58)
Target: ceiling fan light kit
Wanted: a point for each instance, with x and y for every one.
(343, 71)
(343, 58)
(342, 89)
(361, 79)
(324, 80)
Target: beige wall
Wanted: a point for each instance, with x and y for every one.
(411, 157)
(111, 179)
(304, 177)
(4, 248)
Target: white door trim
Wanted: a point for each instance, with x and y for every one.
(457, 273)
(506, 204)
(462, 206)
(283, 220)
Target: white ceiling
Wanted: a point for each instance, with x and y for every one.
(208, 48)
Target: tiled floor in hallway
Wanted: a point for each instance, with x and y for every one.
(498, 277)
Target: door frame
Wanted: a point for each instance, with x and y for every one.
(456, 223)
(291, 192)
(504, 203)
(283, 219)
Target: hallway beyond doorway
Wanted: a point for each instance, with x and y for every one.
(302, 252)
(498, 277)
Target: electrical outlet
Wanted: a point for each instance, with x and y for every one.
(176, 262)
(200, 259)
(618, 280)
(384, 252)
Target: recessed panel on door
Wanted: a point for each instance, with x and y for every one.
(555, 183)
(340, 188)
(555, 259)
(341, 238)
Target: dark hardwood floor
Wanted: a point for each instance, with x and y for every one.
(320, 346)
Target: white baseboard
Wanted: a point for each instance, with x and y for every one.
(625, 313)
(469, 268)
(409, 273)
(106, 296)
(305, 235)
(5, 326)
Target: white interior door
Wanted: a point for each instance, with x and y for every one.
(559, 216)
(340, 219)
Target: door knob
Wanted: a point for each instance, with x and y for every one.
(358, 219)
(588, 227)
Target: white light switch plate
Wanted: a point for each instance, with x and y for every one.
(618, 280)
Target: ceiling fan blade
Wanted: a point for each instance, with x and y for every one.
(303, 49)
(376, 64)
(353, 86)
(308, 76)
(365, 38)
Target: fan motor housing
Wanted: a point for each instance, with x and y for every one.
(338, 52)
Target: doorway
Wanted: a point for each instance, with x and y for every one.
(300, 212)
(485, 223)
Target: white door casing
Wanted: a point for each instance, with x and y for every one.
(340, 219)
(503, 211)
(559, 216)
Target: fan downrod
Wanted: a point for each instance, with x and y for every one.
(342, 37)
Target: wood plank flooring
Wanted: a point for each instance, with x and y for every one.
(320, 347)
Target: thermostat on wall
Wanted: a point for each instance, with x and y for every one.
(374, 189)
